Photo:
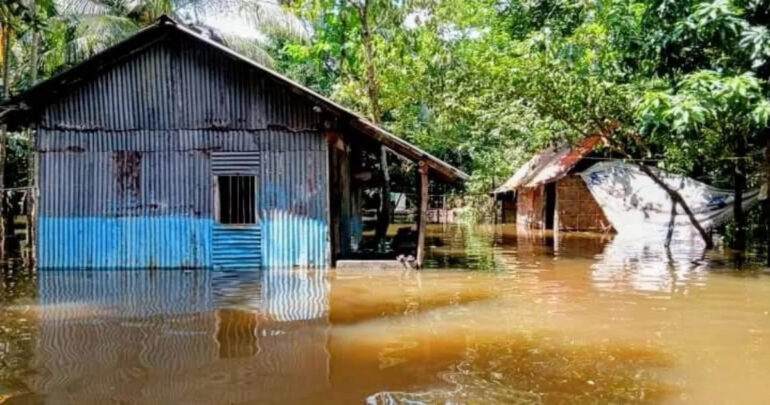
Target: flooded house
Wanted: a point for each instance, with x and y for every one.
(170, 150)
(548, 193)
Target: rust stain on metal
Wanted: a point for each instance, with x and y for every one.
(73, 149)
(549, 165)
(128, 164)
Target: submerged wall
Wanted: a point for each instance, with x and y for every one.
(126, 177)
(577, 208)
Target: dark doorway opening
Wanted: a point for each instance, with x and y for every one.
(550, 205)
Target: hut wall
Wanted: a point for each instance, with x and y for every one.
(577, 209)
(126, 166)
(530, 204)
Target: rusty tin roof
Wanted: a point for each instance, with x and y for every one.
(549, 165)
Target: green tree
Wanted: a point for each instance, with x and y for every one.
(707, 107)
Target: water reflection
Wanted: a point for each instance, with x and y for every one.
(18, 328)
(500, 318)
(649, 266)
(274, 293)
(162, 337)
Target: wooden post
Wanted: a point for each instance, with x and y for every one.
(422, 196)
(344, 196)
(339, 180)
(3, 223)
(34, 174)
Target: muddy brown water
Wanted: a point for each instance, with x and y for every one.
(497, 318)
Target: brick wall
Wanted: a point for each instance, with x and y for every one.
(577, 209)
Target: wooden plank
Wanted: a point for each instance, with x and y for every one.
(422, 195)
(370, 265)
(334, 203)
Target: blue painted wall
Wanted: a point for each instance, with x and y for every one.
(126, 177)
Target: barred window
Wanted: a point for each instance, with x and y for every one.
(237, 205)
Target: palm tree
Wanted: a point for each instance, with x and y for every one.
(97, 24)
(42, 37)
(12, 14)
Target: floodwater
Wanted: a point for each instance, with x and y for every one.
(498, 318)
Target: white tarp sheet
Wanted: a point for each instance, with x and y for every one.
(634, 203)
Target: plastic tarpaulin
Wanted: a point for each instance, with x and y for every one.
(634, 203)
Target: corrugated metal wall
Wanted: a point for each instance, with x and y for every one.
(293, 200)
(126, 179)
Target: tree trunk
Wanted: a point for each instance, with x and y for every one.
(6, 44)
(671, 226)
(34, 60)
(343, 40)
(383, 219)
(766, 203)
(372, 91)
(676, 198)
(739, 186)
(4, 225)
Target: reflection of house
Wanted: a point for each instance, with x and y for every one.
(174, 337)
(547, 192)
(170, 150)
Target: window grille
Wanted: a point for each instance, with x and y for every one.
(237, 202)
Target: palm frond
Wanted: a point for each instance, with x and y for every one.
(95, 33)
(269, 17)
(68, 8)
(250, 48)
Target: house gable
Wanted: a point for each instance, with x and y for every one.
(179, 83)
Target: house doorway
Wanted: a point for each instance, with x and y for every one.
(550, 205)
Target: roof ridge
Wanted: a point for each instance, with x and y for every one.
(165, 19)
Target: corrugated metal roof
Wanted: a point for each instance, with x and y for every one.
(549, 165)
(22, 107)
